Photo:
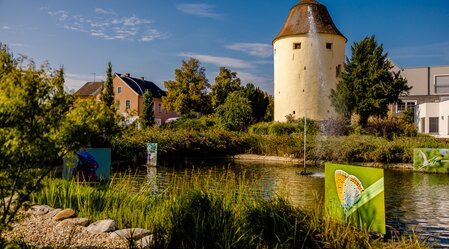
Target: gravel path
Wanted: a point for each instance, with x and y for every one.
(41, 231)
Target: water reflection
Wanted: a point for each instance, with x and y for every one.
(413, 201)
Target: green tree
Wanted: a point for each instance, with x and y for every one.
(259, 101)
(269, 115)
(89, 123)
(235, 113)
(226, 83)
(107, 93)
(147, 117)
(367, 86)
(33, 106)
(188, 92)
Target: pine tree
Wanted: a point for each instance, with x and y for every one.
(107, 95)
(147, 117)
(367, 86)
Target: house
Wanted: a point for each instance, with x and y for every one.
(128, 94)
(90, 90)
(430, 85)
(433, 118)
(428, 98)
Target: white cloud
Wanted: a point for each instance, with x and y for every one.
(198, 9)
(105, 11)
(60, 14)
(5, 27)
(109, 26)
(219, 61)
(255, 49)
(76, 81)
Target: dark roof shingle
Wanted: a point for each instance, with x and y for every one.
(140, 85)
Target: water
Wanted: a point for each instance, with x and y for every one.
(413, 201)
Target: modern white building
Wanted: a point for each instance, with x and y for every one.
(309, 54)
(433, 118)
(429, 85)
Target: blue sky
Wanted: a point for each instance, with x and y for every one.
(150, 38)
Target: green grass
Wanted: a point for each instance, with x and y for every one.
(198, 212)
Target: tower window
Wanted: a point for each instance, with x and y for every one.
(329, 45)
(297, 45)
(337, 71)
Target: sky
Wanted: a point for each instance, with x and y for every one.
(150, 38)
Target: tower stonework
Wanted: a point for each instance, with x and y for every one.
(309, 53)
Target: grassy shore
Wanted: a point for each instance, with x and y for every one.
(197, 212)
(217, 142)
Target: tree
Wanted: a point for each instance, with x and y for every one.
(367, 86)
(33, 106)
(235, 113)
(188, 92)
(226, 83)
(269, 115)
(259, 101)
(147, 117)
(107, 93)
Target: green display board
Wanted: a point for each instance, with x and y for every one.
(93, 163)
(355, 195)
(431, 160)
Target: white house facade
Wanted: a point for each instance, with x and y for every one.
(433, 119)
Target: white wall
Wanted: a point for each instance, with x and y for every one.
(430, 110)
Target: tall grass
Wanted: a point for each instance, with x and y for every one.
(195, 211)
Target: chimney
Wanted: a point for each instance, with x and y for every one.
(142, 78)
(127, 74)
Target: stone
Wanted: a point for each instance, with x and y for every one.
(135, 233)
(74, 222)
(64, 214)
(145, 242)
(40, 209)
(52, 213)
(102, 226)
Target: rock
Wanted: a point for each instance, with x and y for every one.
(40, 209)
(135, 233)
(74, 222)
(145, 242)
(102, 226)
(52, 213)
(64, 214)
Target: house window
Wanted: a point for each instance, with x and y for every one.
(405, 104)
(329, 45)
(119, 89)
(297, 45)
(433, 125)
(441, 83)
(128, 104)
(423, 125)
(159, 107)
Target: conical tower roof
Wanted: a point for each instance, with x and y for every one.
(300, 18)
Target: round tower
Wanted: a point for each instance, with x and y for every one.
(309, 53)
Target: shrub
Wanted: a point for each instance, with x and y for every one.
(390, 128)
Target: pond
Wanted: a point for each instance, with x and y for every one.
(413, 201)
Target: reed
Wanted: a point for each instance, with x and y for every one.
(195, 211)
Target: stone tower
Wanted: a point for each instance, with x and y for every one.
(309, 53)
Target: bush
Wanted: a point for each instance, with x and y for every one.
(390, 128)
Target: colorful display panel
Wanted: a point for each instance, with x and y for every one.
(91, 164)
(355, 195)
(431, 160)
